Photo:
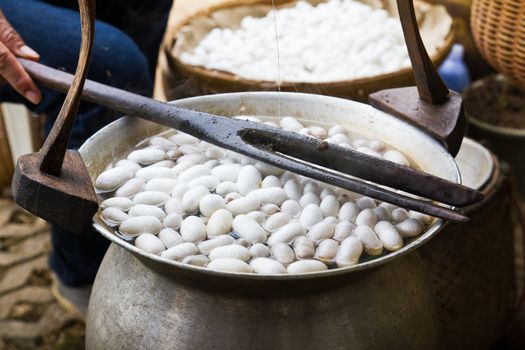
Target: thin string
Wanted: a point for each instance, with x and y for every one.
(279, 80)
(278, 59)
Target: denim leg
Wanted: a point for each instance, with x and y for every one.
(143, 20)
(54, 32)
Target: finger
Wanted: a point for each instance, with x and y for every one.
(13, 41)
(16, 75)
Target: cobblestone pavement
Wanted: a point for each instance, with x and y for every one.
(30, 317)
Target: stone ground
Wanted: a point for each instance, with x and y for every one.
(30, 317)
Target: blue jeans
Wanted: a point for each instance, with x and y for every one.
(54, 32)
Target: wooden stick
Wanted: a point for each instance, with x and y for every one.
(54, 148)
(429, 84)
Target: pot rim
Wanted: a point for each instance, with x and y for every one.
(499, 130)
(474, 146)
(239, 276)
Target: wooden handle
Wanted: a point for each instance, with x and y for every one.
(54, 148)
(120, 100)
(267, 143)
(429, 84)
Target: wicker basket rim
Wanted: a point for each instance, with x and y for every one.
(227, 77)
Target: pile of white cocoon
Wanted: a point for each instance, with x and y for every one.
(333, 41)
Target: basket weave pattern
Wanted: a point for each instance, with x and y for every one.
(498, 27)
(175, 79)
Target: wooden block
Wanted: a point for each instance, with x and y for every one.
(68, 201)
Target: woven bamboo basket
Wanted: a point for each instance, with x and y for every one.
(178, 80)
(498, 27)
(476, 269)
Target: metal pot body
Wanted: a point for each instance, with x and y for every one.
(141, 301)
(133, 307)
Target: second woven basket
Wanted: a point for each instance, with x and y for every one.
(498, 27)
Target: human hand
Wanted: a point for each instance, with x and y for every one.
(11, 47)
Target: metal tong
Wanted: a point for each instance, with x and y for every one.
(295, 152)
(279, 147)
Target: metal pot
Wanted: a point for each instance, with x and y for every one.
(141, 301)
